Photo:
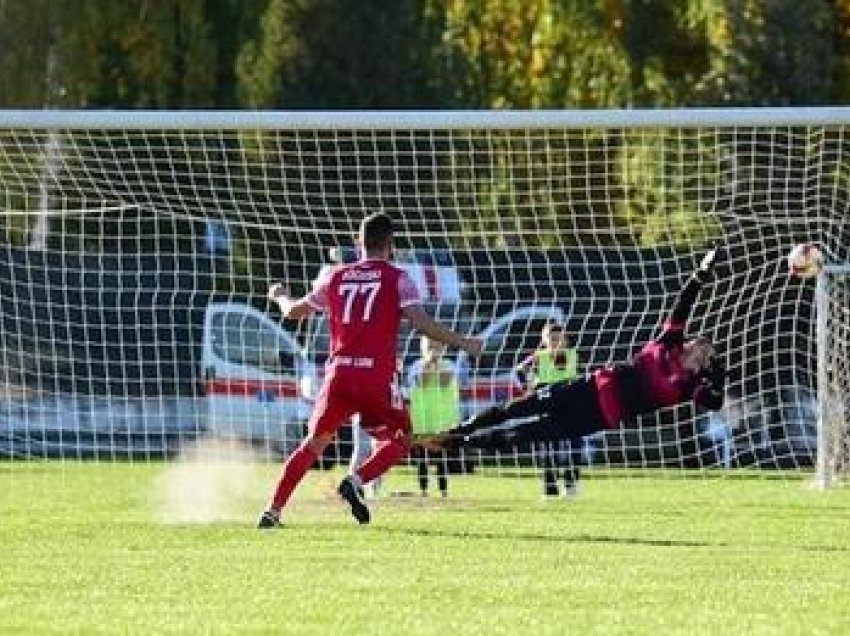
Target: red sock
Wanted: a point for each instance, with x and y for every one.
(386, 455)
(294, 469)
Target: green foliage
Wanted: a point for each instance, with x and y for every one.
(531, 190)
(765, 54)
(467, 54)
(169, 53)
(648, 554)
(529, 54)
(446, 54)
(660, 173)
(332, 54)
(28, 55)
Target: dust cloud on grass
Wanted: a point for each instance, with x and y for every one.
(212, 481)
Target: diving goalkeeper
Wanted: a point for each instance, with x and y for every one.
(666, 371)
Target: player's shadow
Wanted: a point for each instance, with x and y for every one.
(586, 538)
(550, 538)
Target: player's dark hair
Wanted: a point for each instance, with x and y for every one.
(376, 231)
(553, 325)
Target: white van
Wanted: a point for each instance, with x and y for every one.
(257, 379)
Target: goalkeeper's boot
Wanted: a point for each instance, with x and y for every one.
(448, 441)
(353, 495)
(269, 519)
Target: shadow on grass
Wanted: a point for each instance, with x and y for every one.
(590, 538)
(549, 538)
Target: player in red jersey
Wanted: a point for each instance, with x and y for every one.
(365, 302)
(665, 372)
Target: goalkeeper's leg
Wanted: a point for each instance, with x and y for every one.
(532, 405)
(519, 432)
(554, 412)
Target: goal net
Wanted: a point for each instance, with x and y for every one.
(138, 249)
(833, 385)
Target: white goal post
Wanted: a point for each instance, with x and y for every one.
(832, 298)
(138, 247)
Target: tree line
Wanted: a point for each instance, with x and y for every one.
(450, 54)
(423, 53)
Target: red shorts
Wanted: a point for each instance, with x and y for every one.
(383, 413)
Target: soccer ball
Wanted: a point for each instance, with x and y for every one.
(805, 260)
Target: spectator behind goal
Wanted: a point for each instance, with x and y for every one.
(434, 392)
(555, 360)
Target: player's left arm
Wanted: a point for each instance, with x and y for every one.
(423, 323)
(673, 330)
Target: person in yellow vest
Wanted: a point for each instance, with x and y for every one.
(434, 392)
(554, 361)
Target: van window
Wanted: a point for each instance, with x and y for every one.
(243, 339)
(318, 340)
(507, 346)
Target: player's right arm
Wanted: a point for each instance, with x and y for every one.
(293, 308)
(674, 327)
(423, 323)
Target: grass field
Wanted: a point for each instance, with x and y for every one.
(97, 548)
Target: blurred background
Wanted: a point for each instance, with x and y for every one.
(120, 246)
(423, 54)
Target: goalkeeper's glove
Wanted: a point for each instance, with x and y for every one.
(705, 271)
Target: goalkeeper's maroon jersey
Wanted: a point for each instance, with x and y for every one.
(363, 301)
(653, 379)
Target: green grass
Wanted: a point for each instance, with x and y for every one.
(91, 548)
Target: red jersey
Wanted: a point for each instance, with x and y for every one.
(363, 301)
(655, 378)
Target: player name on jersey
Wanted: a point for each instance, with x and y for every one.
(359, 361)
(361, 274)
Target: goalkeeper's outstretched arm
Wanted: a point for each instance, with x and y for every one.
(674, 326)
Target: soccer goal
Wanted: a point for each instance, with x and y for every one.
(138, 248)
(833, 383)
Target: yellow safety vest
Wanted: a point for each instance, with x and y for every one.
(546, 371)
(434, 408)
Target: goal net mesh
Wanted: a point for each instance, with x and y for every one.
(135, 264)
(834, 383)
